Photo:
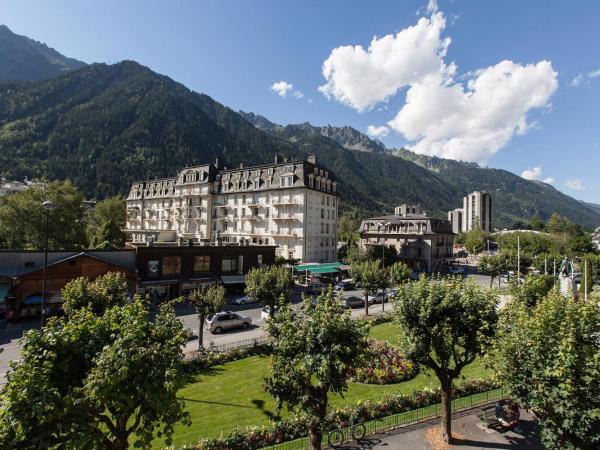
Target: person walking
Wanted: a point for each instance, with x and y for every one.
(10, 317)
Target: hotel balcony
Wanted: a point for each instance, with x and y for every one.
(284, 202)
(289, 216)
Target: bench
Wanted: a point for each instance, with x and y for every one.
(488, 417)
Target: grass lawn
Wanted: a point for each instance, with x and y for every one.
(231, 395)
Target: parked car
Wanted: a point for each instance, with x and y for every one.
(382, 296)
(317, 288)
(245, 300)
(344, 285)
(265, 313)
(352, 301)
(227, 320)
(456, 269)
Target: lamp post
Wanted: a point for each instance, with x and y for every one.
(47, 205)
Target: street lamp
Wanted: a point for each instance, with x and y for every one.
(47, 205)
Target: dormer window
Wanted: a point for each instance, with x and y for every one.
(270, 171)
(287, 181)
(289, 168)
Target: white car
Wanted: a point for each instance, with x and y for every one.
(245, 300)
(265, 313)
(457, 269)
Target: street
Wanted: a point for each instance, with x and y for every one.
(9, 338)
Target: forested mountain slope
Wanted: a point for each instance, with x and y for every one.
(104, 126)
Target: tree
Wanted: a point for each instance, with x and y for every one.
(23, 219)
(491, 266)
(446, 323)
(312, 355)
(106, 223)
(268, 285)
(206, 301)
(549, 358)
(99, 295)
(385, 253)
(533, 289)
(400, 273)
(371, 277)
(475, 240)
(96, 381)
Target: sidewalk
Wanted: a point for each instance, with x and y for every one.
(472, 434)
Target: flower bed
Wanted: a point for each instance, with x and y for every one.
(253, 438)
(384, 364)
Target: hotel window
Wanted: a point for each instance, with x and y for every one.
(270, 171)
(229, 264)
(171, 265)
(256, 184)
(259, 259)
(201, 264)
(289, 168)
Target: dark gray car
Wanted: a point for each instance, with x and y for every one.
(352, 301)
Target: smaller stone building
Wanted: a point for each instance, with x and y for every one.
(422, 242)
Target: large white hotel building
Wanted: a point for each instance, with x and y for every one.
(290, 204)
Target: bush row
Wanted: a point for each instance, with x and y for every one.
(252, 438)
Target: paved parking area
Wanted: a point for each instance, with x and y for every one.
(473, 435)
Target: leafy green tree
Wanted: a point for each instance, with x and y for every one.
(206, 301)
(23, 219)
(535, 223)
(475, 240)
(268, 285)
(100, 294)
(446, 324)
(387, 254)
(313, 353)
(491, 266)
(533, 289)
(106, 223)
(399, 273)
(549, 358)
(355, 254)
(96, 381)
(371, 277)
(557, 224)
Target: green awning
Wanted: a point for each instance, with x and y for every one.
(324, 270)
(4, 288)
(311, 267)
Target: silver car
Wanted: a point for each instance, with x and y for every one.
(227, 320)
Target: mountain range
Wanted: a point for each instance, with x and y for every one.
(104, 126)
(24, 59)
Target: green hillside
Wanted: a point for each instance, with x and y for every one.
(104, 126)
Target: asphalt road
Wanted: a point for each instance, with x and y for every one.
(9, 338)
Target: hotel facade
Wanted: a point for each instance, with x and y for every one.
(292, 205)
(422, 242)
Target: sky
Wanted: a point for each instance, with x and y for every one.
(512, 85)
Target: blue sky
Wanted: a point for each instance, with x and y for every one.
(487, 81)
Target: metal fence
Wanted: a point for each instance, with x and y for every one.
(402, 419)
(259, 340)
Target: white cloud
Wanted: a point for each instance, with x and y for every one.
(298, 94)
(576, 185)
(594, 73)
(282, 88)
(432, 6)
(473, 122)
(443, 115)
(549, 180)
(534, 173)
(577, 80)
(362, 78)
(377, 132)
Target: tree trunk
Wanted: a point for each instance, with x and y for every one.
(202, 318)
(315, 432)
(272, 310)
(447, 411)
(491, 281)
(121, 440)
(315, 435)
(366, 303)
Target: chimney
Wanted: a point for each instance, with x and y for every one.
(241, 165)
(217, 162)
(312, 158)
(277, 158)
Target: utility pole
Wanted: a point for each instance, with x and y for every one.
(47, 205)
(545, 266)
(585, 271)
(518, 260)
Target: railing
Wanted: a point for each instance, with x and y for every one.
(402, 419)
(259, 340)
